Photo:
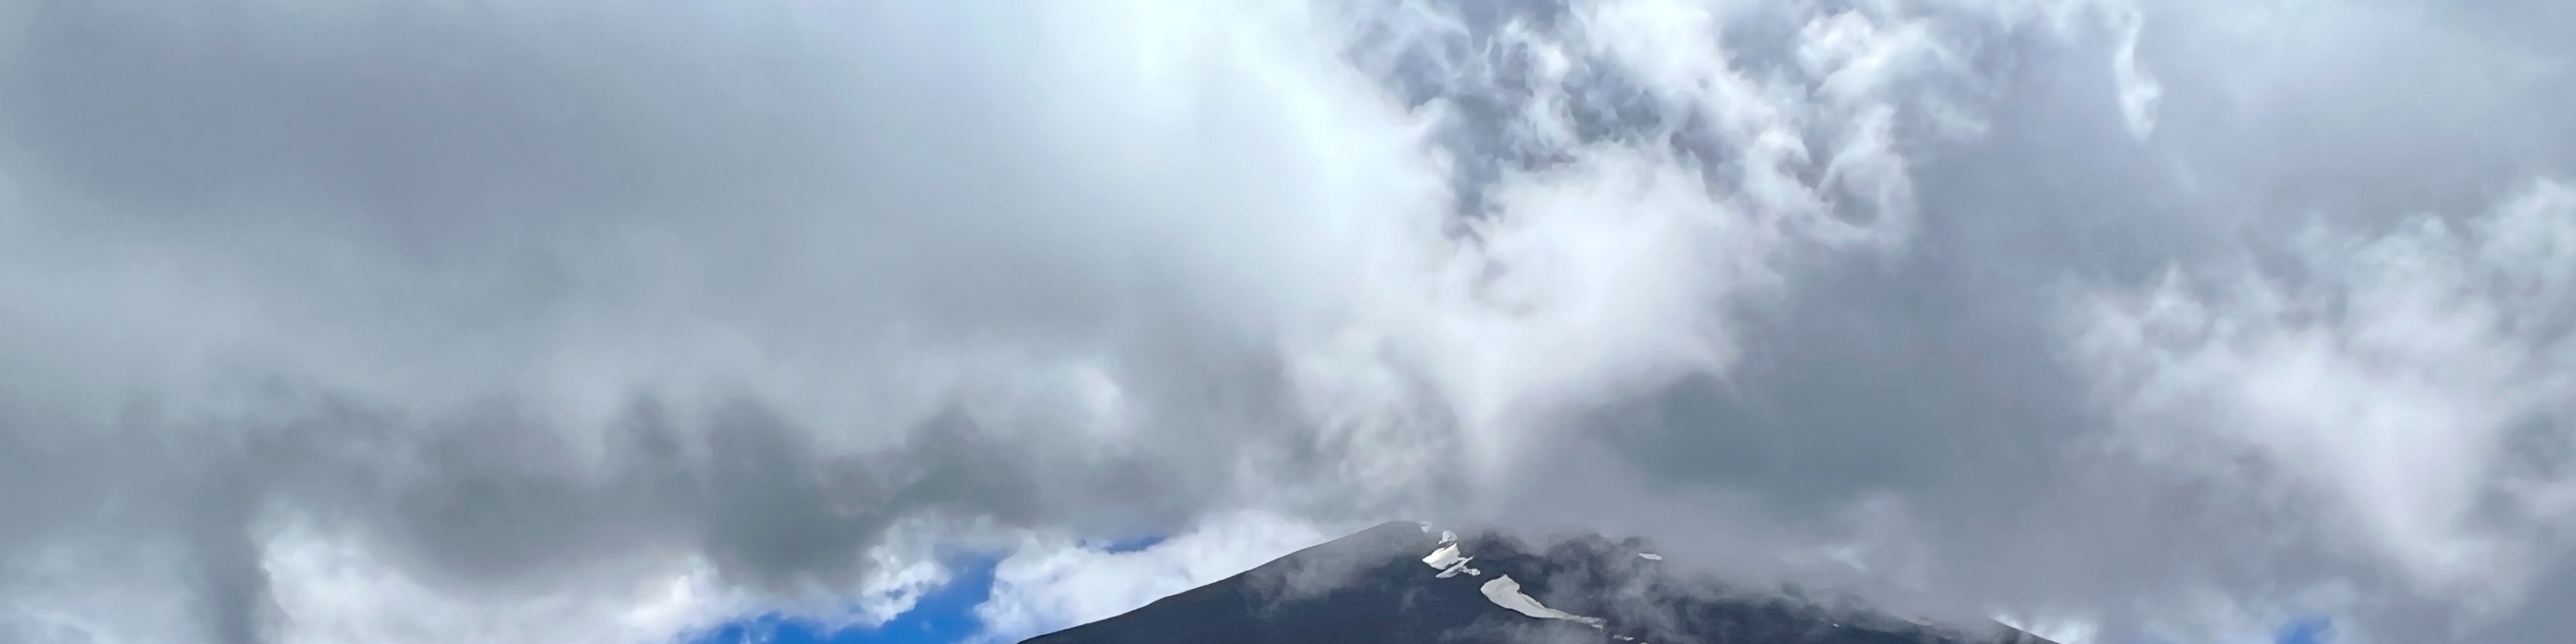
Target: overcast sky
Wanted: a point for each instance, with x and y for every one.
(576, 321)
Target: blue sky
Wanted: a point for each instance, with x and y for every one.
(2312, 630)
(946, 615)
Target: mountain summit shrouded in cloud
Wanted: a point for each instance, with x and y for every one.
(562, 321)
(1367, 587)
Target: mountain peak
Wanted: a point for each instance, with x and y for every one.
(1408, 582)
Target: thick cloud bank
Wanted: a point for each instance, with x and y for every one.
(565, 321)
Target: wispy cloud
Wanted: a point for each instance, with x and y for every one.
(1053, 584)
(2398, 397)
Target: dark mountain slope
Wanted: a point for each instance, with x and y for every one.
(1402, 583)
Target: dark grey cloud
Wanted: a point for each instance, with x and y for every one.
(321, 317)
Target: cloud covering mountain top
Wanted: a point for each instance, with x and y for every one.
(563, 321)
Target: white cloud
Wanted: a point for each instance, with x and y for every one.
(1625, 265)
(334, 588)
(2409, 386)
(1055, 583)
(2062, 630)
(2139, 91)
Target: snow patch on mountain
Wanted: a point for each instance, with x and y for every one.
(1449, 561)
(1443, 557)
(1507, 593)
(1454, 569)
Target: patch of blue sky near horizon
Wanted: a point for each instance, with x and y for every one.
(2313, 629)
(2306, 630)
(944, 615)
